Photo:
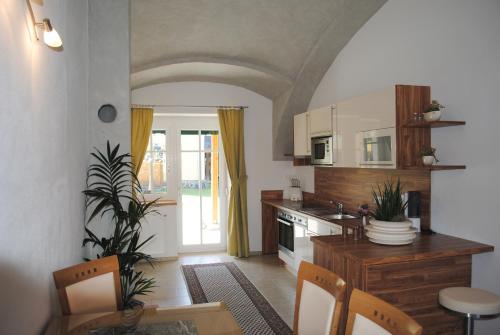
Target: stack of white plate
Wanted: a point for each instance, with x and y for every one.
(390, 233)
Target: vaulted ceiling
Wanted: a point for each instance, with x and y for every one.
(277, 48)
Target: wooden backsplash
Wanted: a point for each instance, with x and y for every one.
(353, 187)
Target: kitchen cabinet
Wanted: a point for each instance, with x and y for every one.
(321, 122)
(301, 135)
(408, 277)
(269, 229)
(314, 123)
(321, 227)
(375, 117)
(369, 112)
(269, 221)
(163, 225)
(346, 136)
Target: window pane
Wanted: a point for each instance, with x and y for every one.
(208, 140)
(191, 233)
(210, 197)
(189, 140)
(153, 173)
(144, 173)
(159, 139)
(159, 177)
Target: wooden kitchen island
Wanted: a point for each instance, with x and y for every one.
(408, 277)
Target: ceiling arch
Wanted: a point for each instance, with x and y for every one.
(212, 59)
(277, 48)
(264, 81)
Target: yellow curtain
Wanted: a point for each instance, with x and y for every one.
(231, 126)
(142, 122)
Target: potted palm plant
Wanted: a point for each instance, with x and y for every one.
(433, 111)
(113, 194)
(389, 204)
(389, 224)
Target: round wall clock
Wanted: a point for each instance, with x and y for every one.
(107, 113)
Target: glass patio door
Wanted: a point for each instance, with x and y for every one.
(199, 191)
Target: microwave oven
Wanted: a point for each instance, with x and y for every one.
(377, 148)
(322, 150)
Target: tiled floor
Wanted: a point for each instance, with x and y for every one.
(267, 273)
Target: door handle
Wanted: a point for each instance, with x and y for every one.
(285, 222)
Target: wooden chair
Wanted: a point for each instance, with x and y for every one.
(318, 303)
(371, 315)
(90, 287)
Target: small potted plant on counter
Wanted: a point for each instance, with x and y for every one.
(428, 155)
(389, 224)
(433, 111)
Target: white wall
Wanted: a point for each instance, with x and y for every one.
(263, 173)
(108, 83)
(453, 46)
(109, 71)
(306, 176)
(43, 150)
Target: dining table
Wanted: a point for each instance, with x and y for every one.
(199, 319)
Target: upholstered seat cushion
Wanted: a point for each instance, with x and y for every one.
(470, 300)
(316, 310)
(365, 326)
(93, 295)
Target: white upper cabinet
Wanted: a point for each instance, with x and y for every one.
(321, 121)
(301, 136)
(346, 135)
(362, 114)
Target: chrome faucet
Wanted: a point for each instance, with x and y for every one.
(340, 208)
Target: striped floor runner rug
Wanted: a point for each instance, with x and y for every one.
(225, 282)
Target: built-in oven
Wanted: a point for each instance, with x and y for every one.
(322, 150)
(285, 233)
(377, 148)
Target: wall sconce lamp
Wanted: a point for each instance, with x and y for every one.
(50, 35)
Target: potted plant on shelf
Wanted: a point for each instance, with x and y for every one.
(389, 224)
(113, 194)
(433, 111)
(428, 155)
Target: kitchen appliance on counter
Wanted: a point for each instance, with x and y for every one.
(377, 148)
(322, 150)
(294, 191)
(413, 198)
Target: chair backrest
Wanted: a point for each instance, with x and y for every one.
(318, 302)
(371, 315)
(90, 287)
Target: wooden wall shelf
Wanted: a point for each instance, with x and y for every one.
(433, 124)
(436, 167)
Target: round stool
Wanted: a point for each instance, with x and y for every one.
(473, 303)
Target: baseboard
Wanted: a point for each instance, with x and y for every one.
(166, 259)
(255, 253)
(160, 259)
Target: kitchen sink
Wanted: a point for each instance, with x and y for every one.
(339, 216)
